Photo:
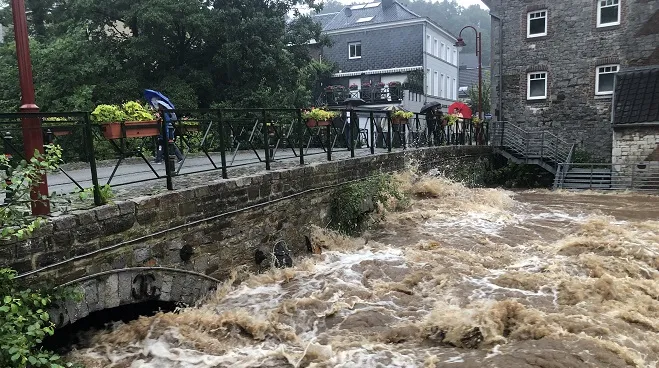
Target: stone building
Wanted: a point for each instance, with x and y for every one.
(554, 62)
(636, 117)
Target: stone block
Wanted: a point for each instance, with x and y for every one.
(125, 286)
(126, 207)
(61, 239)
(117, 225)
(65, 222)
(110, 293)
(86, 233)
(107, 211)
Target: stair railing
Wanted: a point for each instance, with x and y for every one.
(543, 145)
(563, 169)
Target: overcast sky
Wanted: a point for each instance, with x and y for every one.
(464, 3)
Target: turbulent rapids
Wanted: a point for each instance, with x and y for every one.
(461, 277)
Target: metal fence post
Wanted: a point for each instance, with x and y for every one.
(351, 133)
(542, 144)
(389, 135)
(329, 141)
(372, 133)
(266, 140)
(8, 153)
(89, 142)
(169, 167)
(223, 155)
(300, 130)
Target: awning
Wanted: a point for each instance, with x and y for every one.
(378, 71)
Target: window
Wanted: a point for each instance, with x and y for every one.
(453, 88)
(446, 91)
(604, 79)
(455, 57)
(434, 47)
(446, 54)
(436, 85)
(536, 24)
(441, 51)
(428, 44)
(608, 13)
(428, 82)
(365, 19)
(536, 87)
(441, 84)
(355, 50)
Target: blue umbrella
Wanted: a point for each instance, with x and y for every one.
(155, 98)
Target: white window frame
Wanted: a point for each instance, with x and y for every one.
(528, 85)
(428, 44)
(435, 46)
(441, 51)
(542, 14)
(598, 72)
(599, 12)
(455, 58)
(428, 81)
(350, 44)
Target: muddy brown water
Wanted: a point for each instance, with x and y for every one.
(458, 278)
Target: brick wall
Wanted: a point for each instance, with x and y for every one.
(570, 52)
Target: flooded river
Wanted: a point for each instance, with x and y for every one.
(461, 278)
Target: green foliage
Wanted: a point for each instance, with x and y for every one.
(485, 93)
(319, 114)
(415, 81)
(402, 114)
(197, 52)
(24, 322)
(15, 218)
(108, 114)
(353, 204)
(136, 112)
(582, 157)
(512, 175)
(104, 190)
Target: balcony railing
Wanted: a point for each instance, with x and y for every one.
(370, 95)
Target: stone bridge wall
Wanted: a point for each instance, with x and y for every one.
(119, 253)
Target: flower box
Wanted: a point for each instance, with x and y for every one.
(134, 129)
(312, 123)
(397, 120)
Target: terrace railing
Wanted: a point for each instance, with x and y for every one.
(643, 176)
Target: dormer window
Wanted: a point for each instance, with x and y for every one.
(608, 13)
(536, 25)
(365, 19)
(355, 50)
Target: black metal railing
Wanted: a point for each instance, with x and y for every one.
(641, 176)
(204, 140)
(371, 95)
(542, 145)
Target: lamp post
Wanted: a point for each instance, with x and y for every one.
(479, 52)
(31, 126)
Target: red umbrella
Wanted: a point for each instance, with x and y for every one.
(462, 108)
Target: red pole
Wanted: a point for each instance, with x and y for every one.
(32, 135)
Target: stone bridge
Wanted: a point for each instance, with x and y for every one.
(177, 246)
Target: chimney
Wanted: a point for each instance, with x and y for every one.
(387, 3)
(348, 11)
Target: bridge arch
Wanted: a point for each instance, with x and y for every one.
(120, 287)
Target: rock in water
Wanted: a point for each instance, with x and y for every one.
(282, 255)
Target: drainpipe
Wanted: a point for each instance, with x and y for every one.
(500, 94)
(425, 82)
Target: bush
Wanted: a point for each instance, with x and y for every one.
(24, 323)
(352, 204)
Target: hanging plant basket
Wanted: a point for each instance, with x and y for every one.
(398, 121)
(312, 123)
(133, 129)
(59, 131)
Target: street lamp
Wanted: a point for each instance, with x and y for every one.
(31, 126)
(479, 52)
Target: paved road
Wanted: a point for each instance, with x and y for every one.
(138, 170)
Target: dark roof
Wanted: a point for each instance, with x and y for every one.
(637, 96)
(341, 20)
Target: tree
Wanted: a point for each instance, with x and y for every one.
(198, 52)
(486, 93)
